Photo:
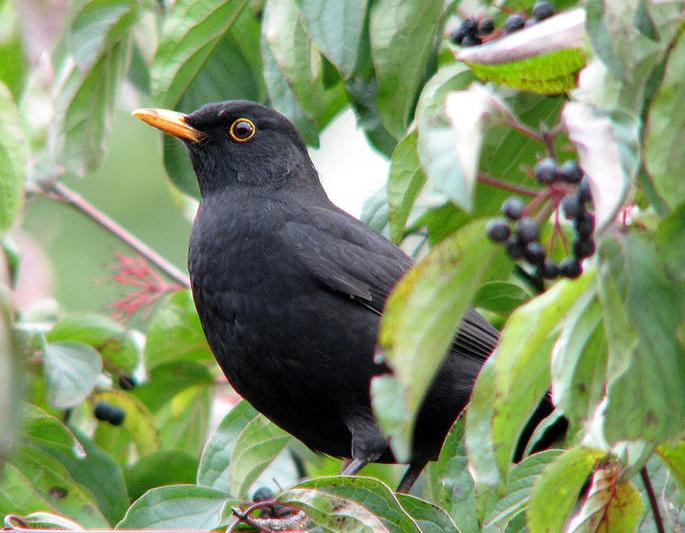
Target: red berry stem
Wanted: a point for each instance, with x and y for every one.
(506, 186)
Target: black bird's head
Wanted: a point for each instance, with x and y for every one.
(238, 142)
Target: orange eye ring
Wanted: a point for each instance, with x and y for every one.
(242, 130)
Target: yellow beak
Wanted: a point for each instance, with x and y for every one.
(170, 122)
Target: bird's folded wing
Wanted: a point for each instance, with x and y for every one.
(346, 256)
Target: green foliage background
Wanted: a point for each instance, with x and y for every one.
(610, 345)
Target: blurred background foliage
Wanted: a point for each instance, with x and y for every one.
(125, 419)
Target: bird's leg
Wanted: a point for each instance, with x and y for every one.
(354, 466)
(368, 443)
(411, 475)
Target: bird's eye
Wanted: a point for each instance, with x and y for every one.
(242, 130)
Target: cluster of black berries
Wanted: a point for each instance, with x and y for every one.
(471, 31)
(109, 413)
(523, 242)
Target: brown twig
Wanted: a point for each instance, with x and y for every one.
(64, 194)
(652, 500)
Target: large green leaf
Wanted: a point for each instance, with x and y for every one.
(52, 481)
(429, 517)
(216, 457)
(71, 372)
(177, 507)
(116, 345)
(12, 160)
(403, 43)
(257, 446)
(336, 27)
(420, 321)
(371, 494)
(514, 379)
(169, 379)
(670, 244)
(184, 421)
(18, 495)
(556, 491)
(665, 129)
(176, 334)
(190, 33)
(643, 315)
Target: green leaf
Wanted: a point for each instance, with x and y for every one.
(543, 58)
(176, 334)
(673, 454)
(216, 457)
(644, 22)
(452, 482)
(609, 151)
(46, 431)
(336, 27)
(71, 372)
(609, 506)
(429, 517)
(177, 507)
(12, 372)
(233, 70)
(115, 344)
(436, 144)
(91, 470)
(514, 379)
(579, 361)
(556, 491)
(17, 494)
(53, 482)
(403, 42)
(190, 33)
(138, 427)
(12, 160)
(167, 380)
(163, 467)
(300, 66)
(500, 297)
(184, 421)
(670, 244)
(258, 444)
(372, 494)
(665, 126)
(643, 313)
(520, 485)
(405, 181)
(419, 323)
(42, 520)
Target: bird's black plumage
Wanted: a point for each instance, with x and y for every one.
(290, 290)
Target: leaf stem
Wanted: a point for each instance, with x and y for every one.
(505, 185)
(64, 194)
(652, 500)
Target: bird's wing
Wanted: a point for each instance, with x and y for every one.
(345, 256)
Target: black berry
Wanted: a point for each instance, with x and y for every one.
(469, 26)
(546, 171)
(127, 382)
(486, 26)
(583, 248)
(584, 224)
(456, 36)
(262, 494)
(534, 253)
(549, 269)
(570, 268)
(570, 172)
(103, 411)
(514, 23)
(514, 248)
(543, 10)
(512, 208)
(471, 40)
(527, 230)
(584, 192)
(571, 206)
(499, 230)
(116, 417)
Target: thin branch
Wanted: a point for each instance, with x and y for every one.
(505, 185)
(652, 500)
(525, 130)
(65, 194)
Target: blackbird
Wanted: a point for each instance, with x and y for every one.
(290, 290)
